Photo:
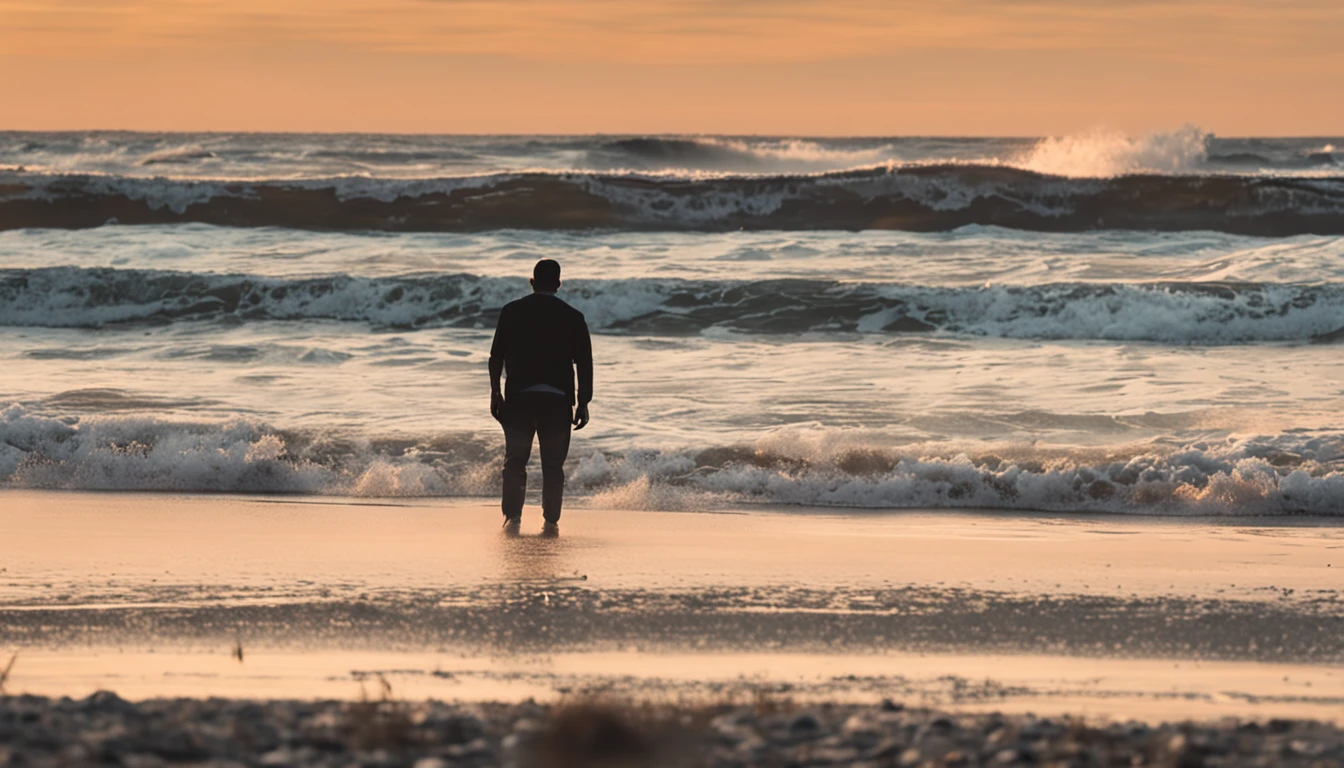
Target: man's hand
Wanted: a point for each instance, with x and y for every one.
(580, 417)
(497, 406)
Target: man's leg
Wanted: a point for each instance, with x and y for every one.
(554, 422)
(519, 426)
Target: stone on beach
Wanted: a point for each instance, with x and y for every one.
(104, 728)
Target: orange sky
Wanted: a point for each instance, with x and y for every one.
(967, 67)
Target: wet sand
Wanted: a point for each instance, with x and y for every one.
(1154, 619)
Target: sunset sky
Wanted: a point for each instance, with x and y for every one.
(964, 67)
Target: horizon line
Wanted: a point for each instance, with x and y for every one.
(455, 134)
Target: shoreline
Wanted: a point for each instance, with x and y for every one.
(580, 505)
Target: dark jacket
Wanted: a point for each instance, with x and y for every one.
(542, 340)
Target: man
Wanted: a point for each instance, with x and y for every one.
(539, 343)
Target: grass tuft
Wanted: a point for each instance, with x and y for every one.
(4, 676)
(600, 733)
(382, 723)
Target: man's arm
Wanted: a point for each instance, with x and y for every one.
(583, 366)
(583, 362)
(499, 349)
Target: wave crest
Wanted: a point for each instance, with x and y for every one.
(1288, 474)
(731, 155)
(1183, 313)
(920, 198)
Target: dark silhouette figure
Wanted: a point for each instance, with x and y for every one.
(540, 344)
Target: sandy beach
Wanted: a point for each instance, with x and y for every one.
(1110, 617)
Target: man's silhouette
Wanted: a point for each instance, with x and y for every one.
(539, 343)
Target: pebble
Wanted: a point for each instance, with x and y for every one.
(861, 727)
(804, 724)
(106, 729)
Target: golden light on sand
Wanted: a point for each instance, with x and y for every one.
(846, 67)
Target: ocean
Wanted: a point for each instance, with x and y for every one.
(1095, 323)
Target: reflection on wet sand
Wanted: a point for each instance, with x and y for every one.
(534, 557)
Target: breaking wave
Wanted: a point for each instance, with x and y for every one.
(1103, 153)
(1267, 475)
(238, 456)
(1176, 312)
(914, 198)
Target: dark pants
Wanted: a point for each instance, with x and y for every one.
(549, 417)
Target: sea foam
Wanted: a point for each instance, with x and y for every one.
(1252, 475)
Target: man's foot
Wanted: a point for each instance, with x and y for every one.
(550, 530)
(511, 525)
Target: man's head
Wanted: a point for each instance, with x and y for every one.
(546, 276)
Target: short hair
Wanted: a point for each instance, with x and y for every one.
(547, 273)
